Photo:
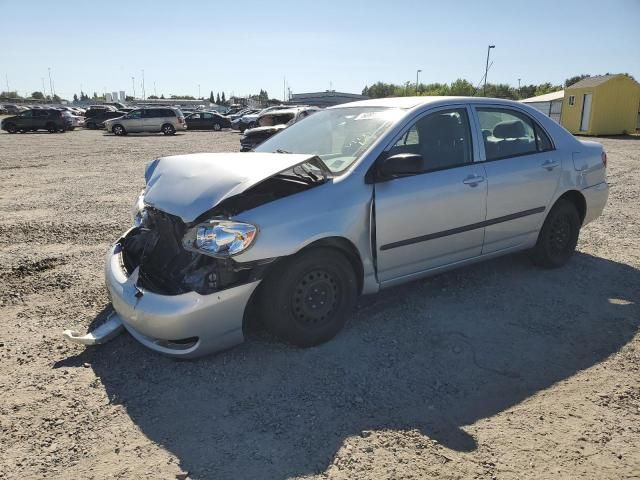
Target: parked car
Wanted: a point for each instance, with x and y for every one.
(35, 119)
(207, 121)
(356, 198)
(72, 120)
(97, 120)
(13, 109)
(167, 120)
(239, 114)
(271, 123)
(94, 110)
(250, 120)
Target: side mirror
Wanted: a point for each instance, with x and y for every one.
(400, 165)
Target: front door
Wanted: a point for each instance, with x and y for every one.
(586, 112)
(133, 121)
(433, 218)
(523, 170)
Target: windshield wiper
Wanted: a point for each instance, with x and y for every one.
(279, 150)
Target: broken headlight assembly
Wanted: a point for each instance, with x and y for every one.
(220, 238)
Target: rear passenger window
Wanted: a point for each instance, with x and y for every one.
(442, 138)
(508, 133)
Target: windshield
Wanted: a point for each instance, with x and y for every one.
(339, 136)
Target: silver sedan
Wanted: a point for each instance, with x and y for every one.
(351, 200)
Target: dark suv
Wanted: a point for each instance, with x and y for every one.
(36, 119)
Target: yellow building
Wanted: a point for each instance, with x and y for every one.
(602, 105)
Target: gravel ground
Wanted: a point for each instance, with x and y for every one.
(500, 370)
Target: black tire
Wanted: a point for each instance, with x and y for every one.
(51, 127)
(558, 237)
(217, 127)
(306, 299)
(62, 129)
(118, 130)
(11, 128)
(168, 129)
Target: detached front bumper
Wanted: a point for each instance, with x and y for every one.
(185, 326)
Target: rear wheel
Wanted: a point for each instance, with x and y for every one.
(12, 128)
(51, 127)
(217, 127)
(168, 129)
(307, 298)
(558, 237)
(118, 130)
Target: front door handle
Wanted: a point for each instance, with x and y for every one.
(473, 180)
(550, 164)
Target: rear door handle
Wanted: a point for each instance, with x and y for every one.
(550, 164)
(473, 180)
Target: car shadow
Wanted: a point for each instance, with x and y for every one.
(434, 355)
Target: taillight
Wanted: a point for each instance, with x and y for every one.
(604, 159)
(180, 119)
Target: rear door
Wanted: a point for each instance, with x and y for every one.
(523, 170)
(434, 218)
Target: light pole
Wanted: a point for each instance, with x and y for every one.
(519, 86)
(133, 84)
(155, 93)
(144, 97)
(486, 69)
(50, 83)
(198, 91)
(417, 73)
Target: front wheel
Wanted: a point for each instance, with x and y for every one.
(12, 128)
(168, 129)
(217, 127)
(118, 130)
(558, 237)
(307, 298)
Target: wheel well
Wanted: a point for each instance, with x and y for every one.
(338, 243)
(578, 200)
(348, 249)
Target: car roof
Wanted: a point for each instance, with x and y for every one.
(413, 102)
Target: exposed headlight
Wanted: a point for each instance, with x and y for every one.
(223, 238)
(138, 211)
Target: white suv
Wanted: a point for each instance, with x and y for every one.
(167, 120)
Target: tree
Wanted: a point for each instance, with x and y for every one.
(83, 96)
(129, 98)
(462, 88)
(11, 94)
(75, 97)
(56, 98)
(37, 95)
(211, 99)
(162, 96)
(224, 101)
(152, 97)
(95, 96)
(218, 101)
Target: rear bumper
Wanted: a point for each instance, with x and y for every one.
(165, 322)
(596, 199)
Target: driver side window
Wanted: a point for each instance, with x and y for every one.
(135, 114)
(442, 138)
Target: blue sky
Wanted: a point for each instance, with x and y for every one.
(241, 47)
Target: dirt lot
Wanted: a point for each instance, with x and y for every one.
(501, 370)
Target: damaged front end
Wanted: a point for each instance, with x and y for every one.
(165, 267)
(174, 279)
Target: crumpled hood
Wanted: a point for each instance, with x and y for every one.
(189, 185)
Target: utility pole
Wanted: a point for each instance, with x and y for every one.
(144, 96)
(133, 84)
(519, 94)
(198, 91)
(155, 93)
(50, 83)
(417, 74)
(6, 77)
(486, 70)
(284, 89)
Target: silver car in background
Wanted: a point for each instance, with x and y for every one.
(356, 198)
(167, 120)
